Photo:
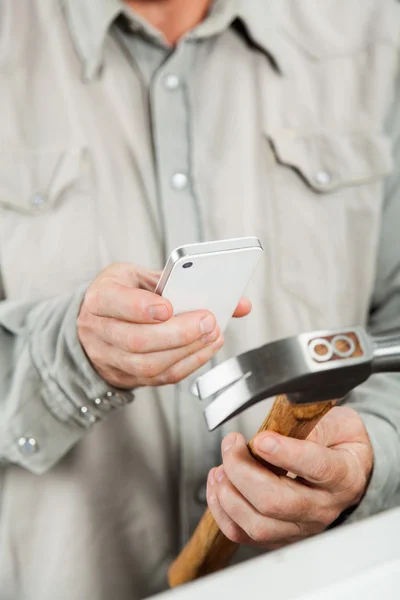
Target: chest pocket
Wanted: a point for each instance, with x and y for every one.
(47, 222)
(328, 192)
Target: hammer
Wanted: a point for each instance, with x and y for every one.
(308, 373)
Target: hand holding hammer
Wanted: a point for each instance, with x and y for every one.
(313, 370)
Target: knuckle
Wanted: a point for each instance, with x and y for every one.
(145, 369)
(162, 379)
(201, 357)
(92, 299)
(199, 360)
(174, 375)
(85, 320)
(171, 375)
(259, 532)
(212, 499)
(225, 499)
(230, 462)
(269, 505)
(232, 532)
(327, 517)
(187, 335)
(135, 343)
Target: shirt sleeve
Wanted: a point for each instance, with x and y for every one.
(50, 396)
(378, 400)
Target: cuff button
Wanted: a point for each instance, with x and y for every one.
(28, 446)
(87, 415)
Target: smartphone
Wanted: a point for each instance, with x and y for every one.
(210, 275)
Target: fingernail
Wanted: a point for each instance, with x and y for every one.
(211, 479)
(159, 312)
(219, 474)
(228, 442)
(268, 445)
(207, 324)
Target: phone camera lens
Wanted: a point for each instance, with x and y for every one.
(187, 265)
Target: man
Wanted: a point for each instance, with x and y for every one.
(130, 129)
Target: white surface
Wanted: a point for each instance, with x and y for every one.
(353, 562)
(215, 282)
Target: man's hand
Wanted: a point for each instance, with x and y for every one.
(253, 506)
(130, 336)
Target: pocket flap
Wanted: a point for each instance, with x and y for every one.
(329, 161)
(32, 182)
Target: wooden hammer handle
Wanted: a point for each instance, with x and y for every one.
(209, 550)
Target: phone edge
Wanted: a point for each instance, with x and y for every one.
(229, 245)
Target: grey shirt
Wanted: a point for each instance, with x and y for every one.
(273, 119)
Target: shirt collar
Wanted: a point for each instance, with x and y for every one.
(261, 20)
(89, 22)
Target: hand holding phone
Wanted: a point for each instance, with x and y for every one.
(210, 275)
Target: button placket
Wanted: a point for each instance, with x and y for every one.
(170, 113)
(171, 126)
(179, 181)
(172, 82)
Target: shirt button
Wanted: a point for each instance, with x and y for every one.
(87, 415)
(172, 82)
(179, 181)
(103, 403)
(38, 200)
(201, 494)
(28, 446)
(323, 178)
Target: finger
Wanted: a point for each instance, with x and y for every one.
(190, 364)
(228, 527)
(178, 332)
(271, 495)
(259, 528)
(134, 305)
(153, 364)
(313, 462)
(243, 308)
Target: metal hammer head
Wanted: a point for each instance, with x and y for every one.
(310, 367)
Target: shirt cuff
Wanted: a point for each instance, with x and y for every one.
(67, 396)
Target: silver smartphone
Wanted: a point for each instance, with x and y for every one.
(210, 275)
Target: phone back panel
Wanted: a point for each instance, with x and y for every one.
(215, 281)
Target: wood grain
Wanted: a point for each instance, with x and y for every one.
(209, 550)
